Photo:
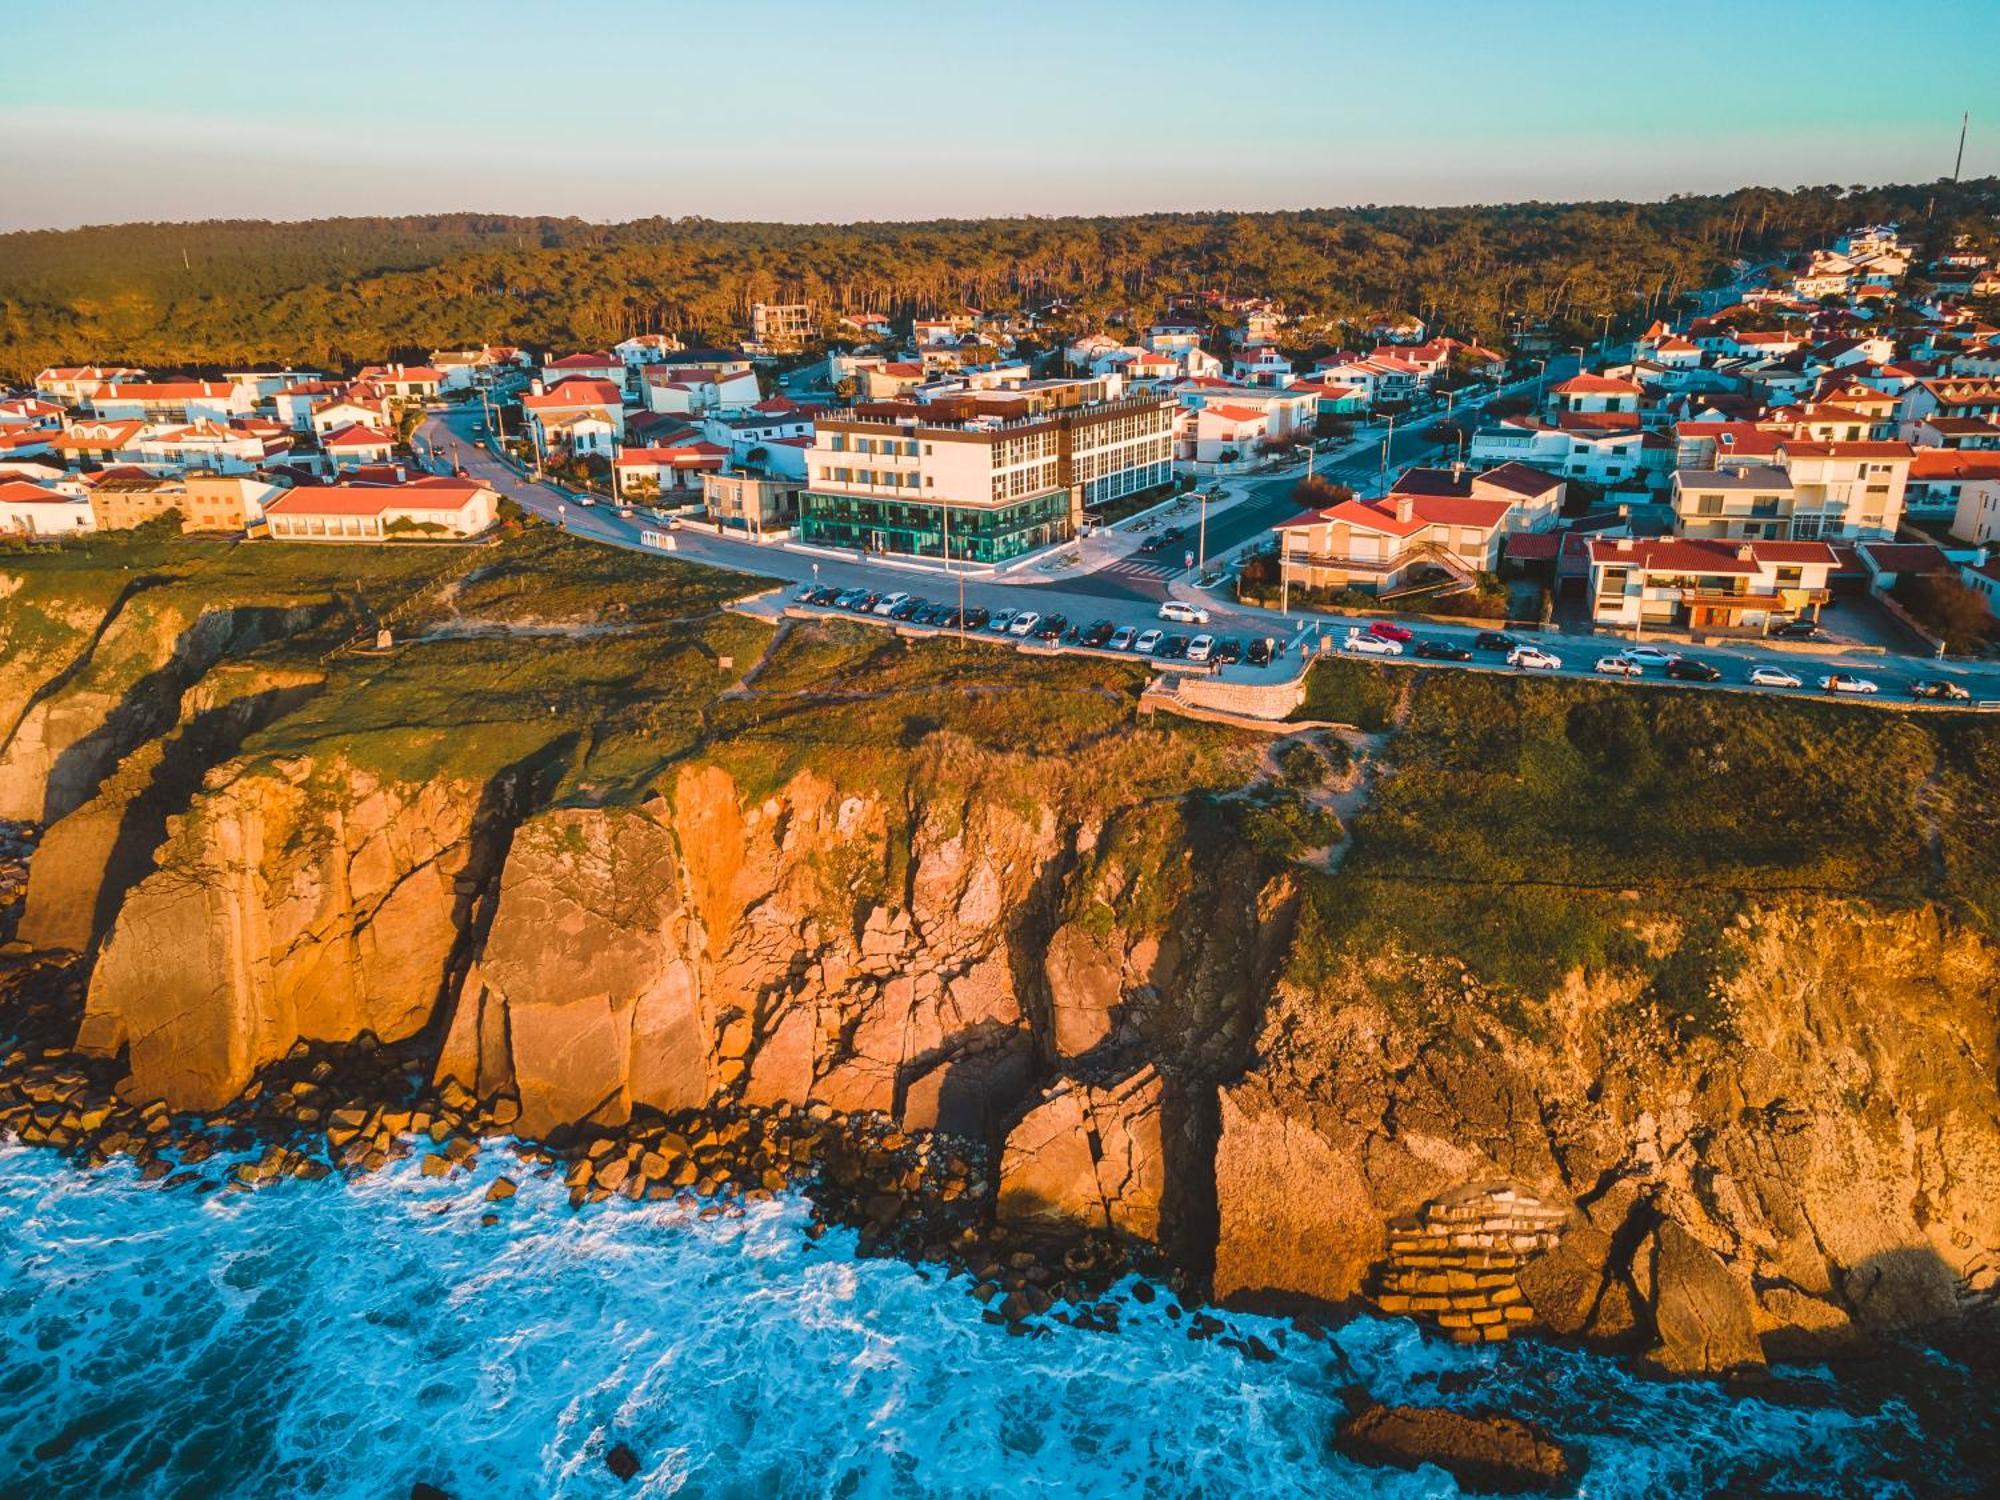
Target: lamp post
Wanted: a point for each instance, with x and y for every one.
(1541, 373)
(1201, 562)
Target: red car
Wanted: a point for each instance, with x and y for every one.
(1389, 632)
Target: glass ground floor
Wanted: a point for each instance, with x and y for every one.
(979, 533)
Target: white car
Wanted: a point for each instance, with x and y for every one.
(1121, 638)
(886, 605)
(1774, 677)
(1618, 666)
(1534, 658)
(1649, 656)
(1024, 623)
(1200, 647)
(1372, 645)
(1148, 642)
(1183, 614)
(1841, 682)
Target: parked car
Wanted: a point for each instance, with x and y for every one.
(1686, 669)
(1493, 640)
(1174, 648)
(886, 605)
(865, 605)
(1097, 633)
(1618, 666)
(906, 610)
(1775, 677)
(1228, 651)
(1937, 687)
(1183, 614)
(1442, 651)
(976, 618)
(1051, 629)
(803, 594)
(927, 614)
(1388, 630)
(1846, 682)
(1122, 638)
(1650, 656)
(1024, 623)
(1002, 621)
(1372, 645)
(1201, 648)
(1534, 659)
(1797, 630)
(1148, 642)
(1258, 653)
(846, 598)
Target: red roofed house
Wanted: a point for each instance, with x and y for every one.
(30, 510)
(437, 506)
(1675, 581)
(1977, 519)
(1226, 434)
(594, 365)
(685, 388)
(577, 416)
(1938, 477)
(1597, 394)
(643, 473)
(74, 384)
(174, 400)
(358, 444)
(102, 442)
(1380, 545)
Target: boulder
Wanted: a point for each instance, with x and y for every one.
(1089, 1157)
(1483, 1452)
(1701, 1314)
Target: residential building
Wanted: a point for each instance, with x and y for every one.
(332, 415)
(1382, 545)
(204, 502)
(1290, 412)
(677, 469)
(645, 349)
(988, 475)
(1597, 395)
(751, 503)
(1983, 578)
(581, 415)
(1666, 582)
(1977, 519)
(683, 389)
(1618, 457)
(591, 365)
(32, 510)
(73, 385)
(433, 507)
(1938, 478)
(358, 444)
(1534, 496)
(1804, 491)
(113, 442)
(173, 400)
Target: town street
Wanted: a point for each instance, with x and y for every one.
(1111, 580)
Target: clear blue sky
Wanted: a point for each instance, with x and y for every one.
(871, 109)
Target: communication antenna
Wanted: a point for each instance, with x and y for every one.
(1964, 124)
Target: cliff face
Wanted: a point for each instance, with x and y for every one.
(1092, 942)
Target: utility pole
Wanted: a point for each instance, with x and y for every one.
(1387, 440)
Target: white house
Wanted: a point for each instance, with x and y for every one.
(643, 473)
(685, 389)
(1669, 581)
(358, 444)
(436, 506)
(32, 510)
(547, 412)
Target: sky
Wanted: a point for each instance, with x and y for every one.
(115, 110)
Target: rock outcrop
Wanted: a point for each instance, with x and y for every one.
(1087, 1157)
(1487, 1453)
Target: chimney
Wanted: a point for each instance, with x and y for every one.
(1745, 552)
(1626, 544)
(1457, 470)
(535, 386)
(1404, 509)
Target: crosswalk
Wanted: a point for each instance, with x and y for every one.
(1150, 568)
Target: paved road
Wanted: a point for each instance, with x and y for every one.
(1127, 589)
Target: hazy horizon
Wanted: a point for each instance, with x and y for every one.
(890, 111)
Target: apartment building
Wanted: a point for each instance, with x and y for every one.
(981, 475)
(204, 502)
(781, 324)
(1803, 491)
(1706, 584)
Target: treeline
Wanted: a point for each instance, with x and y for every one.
(346, 291)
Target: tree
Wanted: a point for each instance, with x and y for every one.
(1315, 493)
(1948, 608)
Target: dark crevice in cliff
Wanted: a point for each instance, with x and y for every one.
(511, 796)
(205, 741)
(152, 705)
(83, 657)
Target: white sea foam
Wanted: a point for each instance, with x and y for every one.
(345, 1339)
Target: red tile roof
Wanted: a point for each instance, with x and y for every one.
(1597, 385)
(1700, 555)
(575, 392)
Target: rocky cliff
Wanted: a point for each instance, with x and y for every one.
(1718, 1118)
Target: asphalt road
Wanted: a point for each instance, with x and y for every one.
(1127, 589)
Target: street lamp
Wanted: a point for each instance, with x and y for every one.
(1541, 372)
(1201, 563)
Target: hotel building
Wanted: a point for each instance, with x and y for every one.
(1002, 472)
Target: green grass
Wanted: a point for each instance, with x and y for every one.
(1346, 691)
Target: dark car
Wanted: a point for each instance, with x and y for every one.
(976, 618)
(948, 620)
(1098, 632)
(1443, 651)
(1151, 545)
(1170, 535)
(865, 604)
(1797, 630)
(1174, 648)
(1689, 670)
(1051, 629)
(1259, 653)
(1227, 651)
(823, 595)
(907, 610)
(927, 614)
(1493, 640)
(1937, 687)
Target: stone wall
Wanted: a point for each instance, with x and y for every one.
(1457, 1260)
